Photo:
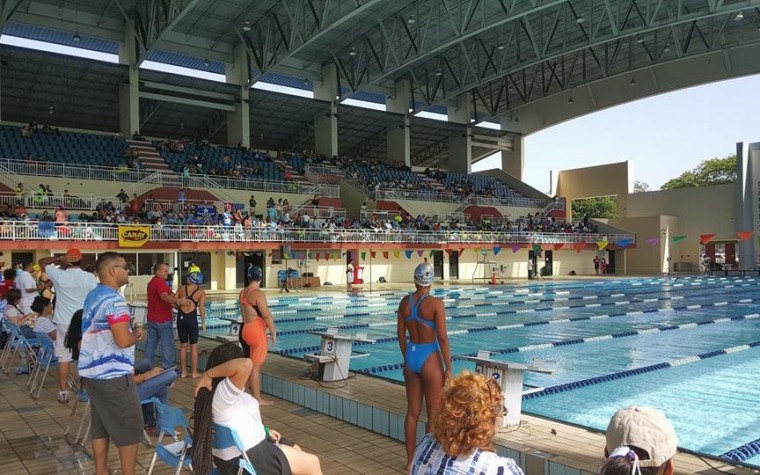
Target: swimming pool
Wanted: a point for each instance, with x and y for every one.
(689, 346)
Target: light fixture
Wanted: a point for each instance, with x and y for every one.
(570, 101)
(76, 38)
(580, 20)
(411, 20)
(247, 26)
(739, 16)
(439, 72)
(352, 52)
(633, 82)
(306, 81)
(666, 49)
(206, 62)
(639, 40)
(500, 47)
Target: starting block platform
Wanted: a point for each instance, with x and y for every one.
(335, 354)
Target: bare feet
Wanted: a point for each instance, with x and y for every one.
(265, 402)
(196, 375)
(183, 375)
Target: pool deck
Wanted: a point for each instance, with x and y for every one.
(353, 426)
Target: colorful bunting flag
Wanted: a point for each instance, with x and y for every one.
(396, 254)
(602, 244)
(385, 254)
(536, 247)
(419, 252)
(373, 254)
(624, 242)
(449, 252)
(496, 250)
(557, 247)
(678, 238)
(460, 252)
(408, 254)
(744, 235)
(477, 250)
(431, 253)
(317, 257)
(364, 255)
(515, 248)
(653, 240)
(579, 246)
(705, 238)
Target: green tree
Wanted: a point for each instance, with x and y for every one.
(714, 171)
(640, 186)
(601, 207)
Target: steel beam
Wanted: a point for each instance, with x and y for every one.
(155, 19)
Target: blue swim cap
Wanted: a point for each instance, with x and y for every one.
(255, 273)
(195, 278)
(423, 274)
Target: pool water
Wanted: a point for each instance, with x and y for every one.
(688, 346)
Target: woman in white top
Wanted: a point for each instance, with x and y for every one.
(43, 323)
(220, 398)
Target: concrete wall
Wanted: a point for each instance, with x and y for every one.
(603, 180)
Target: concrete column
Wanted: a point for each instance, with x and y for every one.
(129, 90)
(460, 151)
(460, 110)
(513, 161)
(401, 100)
(399, 142)
(326, 125)
(748, 197)
(239, 120)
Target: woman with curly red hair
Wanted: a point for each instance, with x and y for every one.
(471, 411)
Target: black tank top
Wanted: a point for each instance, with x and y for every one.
(194, 312)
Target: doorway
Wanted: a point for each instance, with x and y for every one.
(453, 265)
(256, 258)
(202, 260)
(438, 264)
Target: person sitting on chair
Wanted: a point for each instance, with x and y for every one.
(220, 398)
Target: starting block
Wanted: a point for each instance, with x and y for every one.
(335, 353)
(234, 330)
(510, 376)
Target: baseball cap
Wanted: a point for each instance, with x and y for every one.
(645, 428)
(255, 273)
(195, 278)
(423, 274)
(74, 255)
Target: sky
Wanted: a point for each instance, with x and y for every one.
(663, 136)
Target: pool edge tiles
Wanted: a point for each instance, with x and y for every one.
(379, 405)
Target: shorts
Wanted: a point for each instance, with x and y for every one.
(266, 457)
(61, 352)
(187, 328)
(116, 410)
(255, 336)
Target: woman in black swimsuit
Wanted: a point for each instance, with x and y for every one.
(187, 321)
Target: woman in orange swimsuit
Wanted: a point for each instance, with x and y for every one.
(253, 333)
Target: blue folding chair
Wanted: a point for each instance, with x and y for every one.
(225, 437)
(45, 359)
(17, 342)
(174, 454)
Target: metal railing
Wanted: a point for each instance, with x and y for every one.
(76, 202)
(75, 231)
(60, 170)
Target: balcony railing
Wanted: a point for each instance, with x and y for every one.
(79, 231)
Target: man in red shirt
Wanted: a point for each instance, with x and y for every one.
(161, 302)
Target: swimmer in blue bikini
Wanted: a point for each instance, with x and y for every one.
(427, 359)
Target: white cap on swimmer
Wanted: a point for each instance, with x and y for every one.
(423, 274)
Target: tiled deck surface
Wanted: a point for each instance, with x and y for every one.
(32, 431)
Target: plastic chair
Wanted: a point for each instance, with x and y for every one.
(174, 454)
(45, 359)
(225, 437)
(17, 342)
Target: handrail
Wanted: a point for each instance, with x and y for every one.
(164, 178)
(30, 231)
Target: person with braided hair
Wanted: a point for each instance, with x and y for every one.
(220, 398)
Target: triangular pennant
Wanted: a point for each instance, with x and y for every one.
(705, 238)
(536, 247)
(496, 250)
(317, 257)
(653, 240)
(602, 244)
(742, 235)
(624, 242)
(396, 254)
(293, 255)
(385, 254)
(327, 256)
(477, 250)
(373, 254)
(364, 255)
(449, 252)
(419, 252)
(579, 246)
(678, 238)
(460, 252)
(557, 247)
(431, 253)
(408, 254)
(515, 248)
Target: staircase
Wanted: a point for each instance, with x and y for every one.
(149, 156)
